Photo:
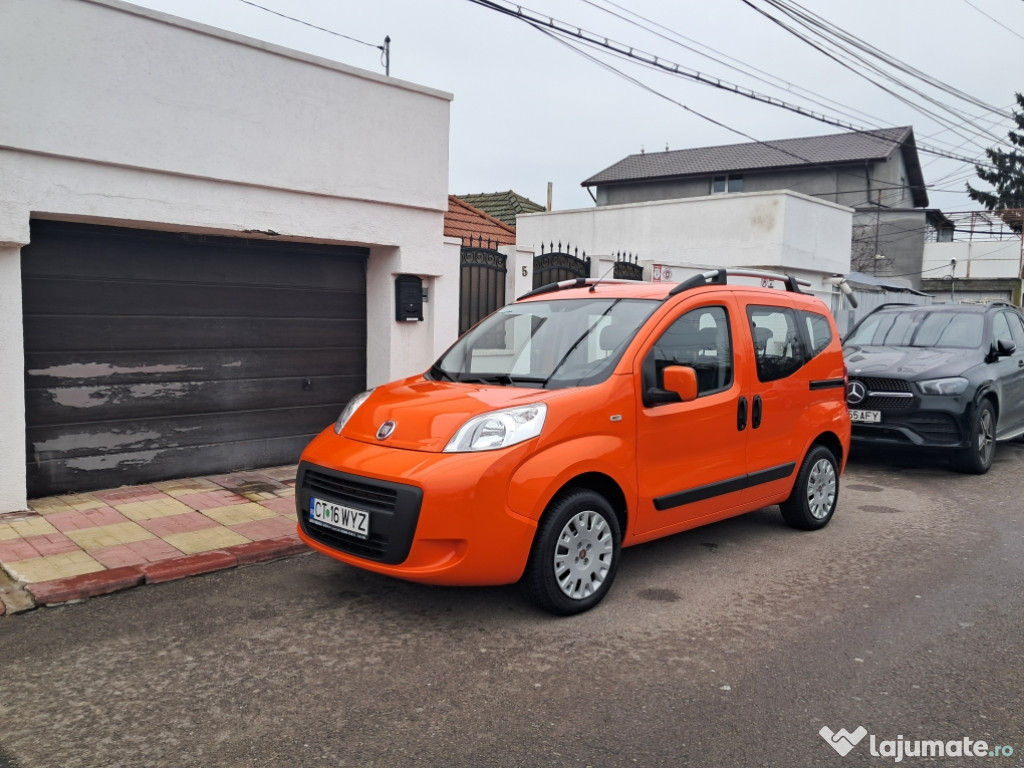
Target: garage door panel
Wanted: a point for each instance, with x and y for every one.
(158, 355)
(76, 405)
(57, 369)
(49, 443)
(116, 253)
(68, 296)
(46, 333)
(68, 475)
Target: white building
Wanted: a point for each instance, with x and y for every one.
(199, 240)
(775, 231)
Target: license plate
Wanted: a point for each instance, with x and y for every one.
(866, 417)
(355, 522)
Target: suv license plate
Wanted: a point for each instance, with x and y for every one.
(866, 417)
(355, 522)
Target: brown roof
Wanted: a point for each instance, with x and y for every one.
(502, 205)
(835, 149)
(465, 222)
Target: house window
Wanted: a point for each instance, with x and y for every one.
(722, 184)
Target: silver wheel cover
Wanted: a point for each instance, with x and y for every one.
(821, 489)
(583, 554)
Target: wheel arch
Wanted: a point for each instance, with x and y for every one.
(602, 484)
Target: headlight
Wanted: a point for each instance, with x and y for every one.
(952, 386)
(352, 407)
(499, 429)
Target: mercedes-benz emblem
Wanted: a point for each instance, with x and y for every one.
(856, 393)
(386, 429)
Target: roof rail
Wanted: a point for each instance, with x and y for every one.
(577, 282)
(720, 277)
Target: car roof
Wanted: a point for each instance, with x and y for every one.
(976, 308)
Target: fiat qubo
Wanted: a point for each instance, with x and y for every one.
(585, 417)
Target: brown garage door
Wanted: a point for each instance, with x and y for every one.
(152, 355)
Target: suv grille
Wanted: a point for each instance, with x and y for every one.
(880, 400)
(394, 511)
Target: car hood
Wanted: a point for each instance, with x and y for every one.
(910, 363)
(427, 414)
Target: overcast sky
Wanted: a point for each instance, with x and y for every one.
(529, 109)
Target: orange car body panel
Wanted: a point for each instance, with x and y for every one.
(480, 511)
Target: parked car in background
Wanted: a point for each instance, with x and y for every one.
(587, 416)
(940, 376)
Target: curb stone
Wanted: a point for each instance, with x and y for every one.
(22, 597)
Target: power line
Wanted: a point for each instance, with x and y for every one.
(312, 26)
(559, 29)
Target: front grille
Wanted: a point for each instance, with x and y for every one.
(886, 394)
(345, 490)
(881, 403)
(885, 385)
(394, 512)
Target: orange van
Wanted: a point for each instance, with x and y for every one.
(587, 416)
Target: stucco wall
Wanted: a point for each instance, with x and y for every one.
(116, 115)
(780, 231)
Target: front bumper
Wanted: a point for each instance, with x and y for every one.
(435, 518)
(937, 428)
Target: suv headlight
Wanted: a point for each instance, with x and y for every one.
(352, 407)
(498, 429)
(952, 386)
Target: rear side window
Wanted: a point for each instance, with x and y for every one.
(778, 344)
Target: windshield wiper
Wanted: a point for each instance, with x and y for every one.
(440, 373)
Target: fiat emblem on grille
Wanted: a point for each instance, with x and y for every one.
(386, 429)
(857, 393)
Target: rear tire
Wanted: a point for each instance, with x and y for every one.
(815, 494)
(575, 553)
(977, 459)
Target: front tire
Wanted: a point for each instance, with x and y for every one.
(977, 458)
(575, 553)
(815, 494)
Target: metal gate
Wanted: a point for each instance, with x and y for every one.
(554, 266)
(481, 282)
(627, 267)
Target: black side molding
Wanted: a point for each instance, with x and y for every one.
(723, 487)
(828, 384)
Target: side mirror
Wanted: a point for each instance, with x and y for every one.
(1005, 348)
(682, 380)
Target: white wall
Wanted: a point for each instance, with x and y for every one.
(117, 115)
(780, 231)
(979, 260)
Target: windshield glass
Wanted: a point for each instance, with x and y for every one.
(921, 329)
(549, 344)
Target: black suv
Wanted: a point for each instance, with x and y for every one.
(948, 376)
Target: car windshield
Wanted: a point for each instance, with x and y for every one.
(963, 330)
(546, 344)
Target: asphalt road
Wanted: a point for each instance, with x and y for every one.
(731, 645)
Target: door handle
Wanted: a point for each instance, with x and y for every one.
(741, 414)
(755, 416)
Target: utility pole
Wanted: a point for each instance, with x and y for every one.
(387, 55)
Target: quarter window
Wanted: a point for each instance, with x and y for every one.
(819, 332)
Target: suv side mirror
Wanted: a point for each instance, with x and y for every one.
(1005, 348)
(682, 380)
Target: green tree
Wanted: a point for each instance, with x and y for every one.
(1006, 176)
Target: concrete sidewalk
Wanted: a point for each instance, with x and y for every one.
(76, 546)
